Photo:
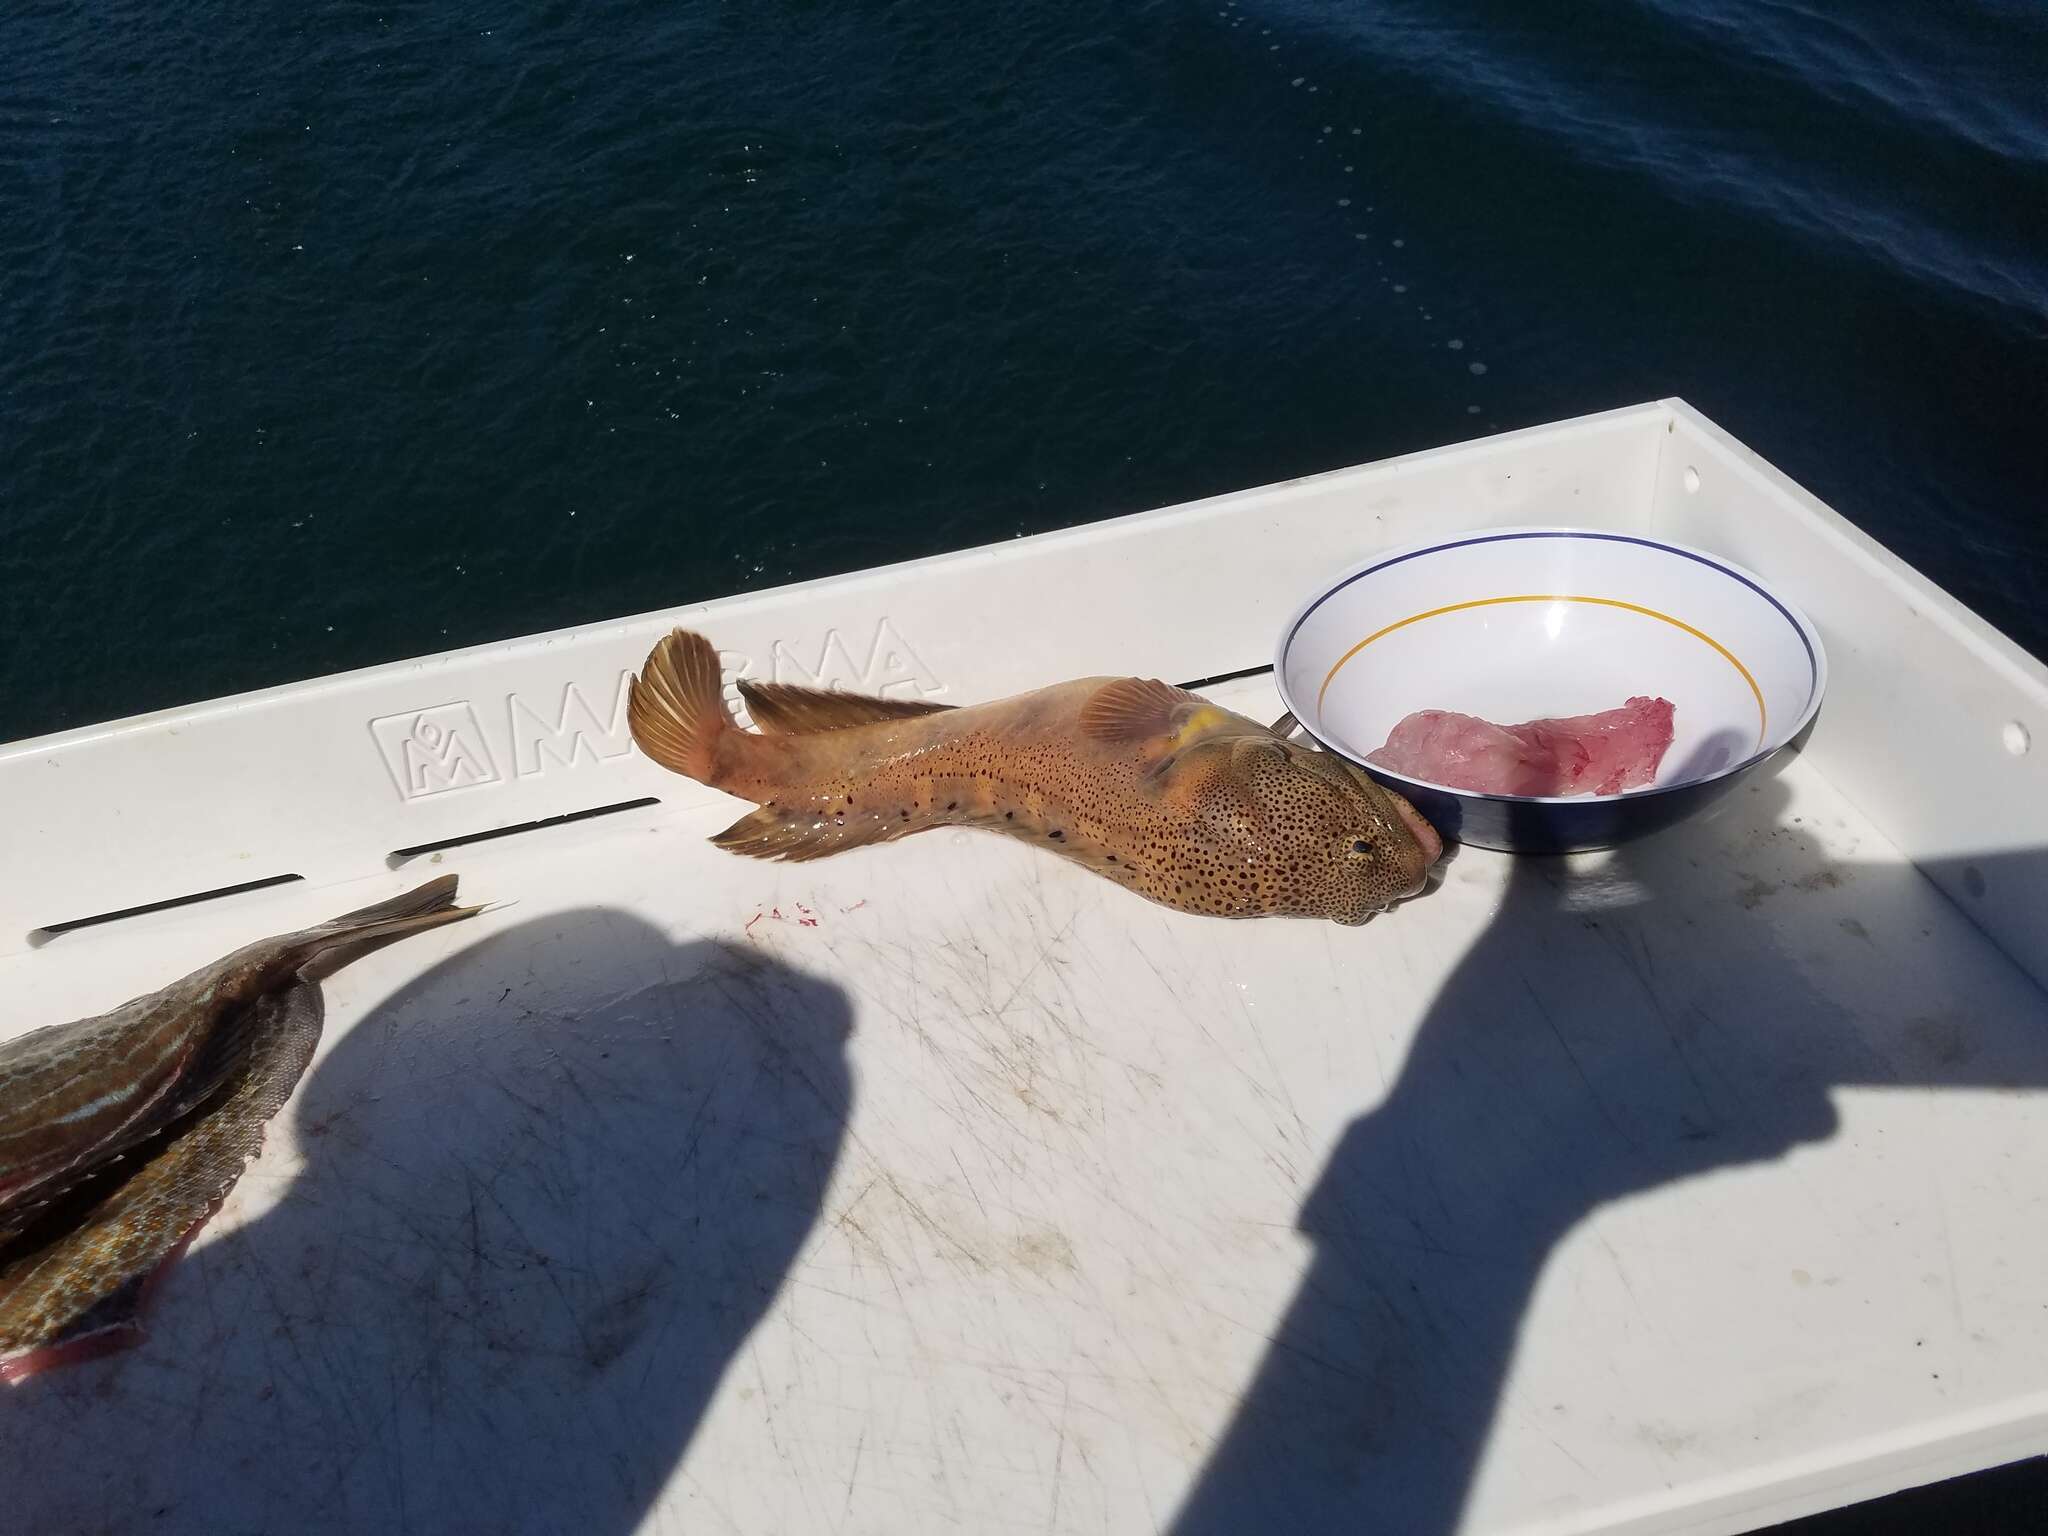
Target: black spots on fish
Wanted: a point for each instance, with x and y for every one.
(904, 814)
(1057, 835)
(1009, 815)
(952, 805)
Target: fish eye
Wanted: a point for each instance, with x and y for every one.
(1360, 845)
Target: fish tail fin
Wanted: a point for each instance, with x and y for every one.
(676, 706)
(422, 907)
(323, 950)
(310, 955)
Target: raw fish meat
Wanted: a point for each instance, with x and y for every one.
(1601, 754)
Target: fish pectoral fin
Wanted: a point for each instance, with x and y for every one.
(798, 836)
(1138, 709)
(782, 709)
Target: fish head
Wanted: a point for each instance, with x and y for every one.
(1304, 832)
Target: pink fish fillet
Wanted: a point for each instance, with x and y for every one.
(1601, 754)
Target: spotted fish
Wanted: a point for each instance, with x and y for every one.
(121, 1134)
(1150, 785)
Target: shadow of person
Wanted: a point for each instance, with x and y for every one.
(549, 1189)
(1611, 1032)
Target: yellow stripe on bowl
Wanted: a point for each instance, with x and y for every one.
(1541, 597)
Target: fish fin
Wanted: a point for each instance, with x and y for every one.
(354, 934)
(676, 706)
(1133, 709)
(225, 1025)
(799, 836)
(436, 895)
(112, 1325)
(782, 709)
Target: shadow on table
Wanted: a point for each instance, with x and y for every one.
(551, 1187)
(1567, 1062)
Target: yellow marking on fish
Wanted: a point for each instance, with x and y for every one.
(1762, 717)
(1199, 724)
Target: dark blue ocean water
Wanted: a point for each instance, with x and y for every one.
(332, 333)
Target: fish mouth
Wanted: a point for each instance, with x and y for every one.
(1424, 834)
(1426, 880)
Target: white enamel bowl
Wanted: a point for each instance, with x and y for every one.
(1525, 623)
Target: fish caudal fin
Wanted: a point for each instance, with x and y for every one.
(676, 706)
(422, 907)
(781, 709)
(326, 949)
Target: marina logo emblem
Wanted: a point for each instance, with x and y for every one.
(431, 751)
(444, 748)
(545, 736)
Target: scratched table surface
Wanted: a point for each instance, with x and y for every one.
(943, 1186)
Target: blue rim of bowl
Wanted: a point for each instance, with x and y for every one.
(1816, 656)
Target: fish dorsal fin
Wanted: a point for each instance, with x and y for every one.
(1134, 709)
(782, 709)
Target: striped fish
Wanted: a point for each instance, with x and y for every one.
(121, 1134)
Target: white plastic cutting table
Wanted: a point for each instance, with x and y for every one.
(944, 1187)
